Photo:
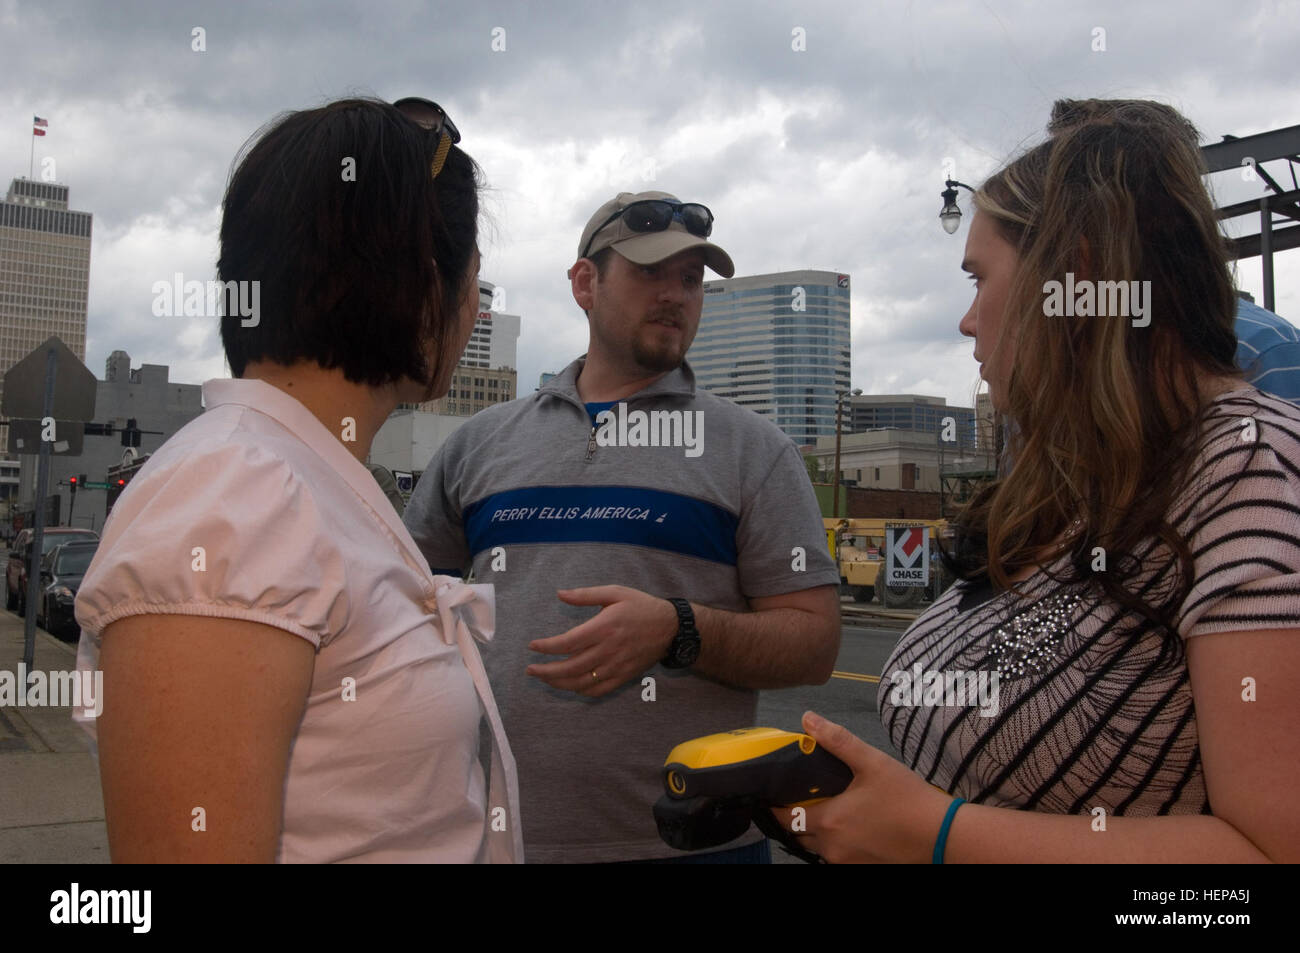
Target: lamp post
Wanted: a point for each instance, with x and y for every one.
(950, 217)
(951, 214)
(839, 409)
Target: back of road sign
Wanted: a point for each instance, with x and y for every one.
(74, 387)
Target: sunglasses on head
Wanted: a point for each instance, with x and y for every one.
(429, 115)
(655, 215)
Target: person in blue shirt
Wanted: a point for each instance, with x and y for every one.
(1268, 350)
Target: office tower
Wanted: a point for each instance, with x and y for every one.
(779, 345)
(495, 338)
(44, 273)
(486, 373)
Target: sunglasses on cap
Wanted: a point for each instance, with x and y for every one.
(429, 115)
(655, 215)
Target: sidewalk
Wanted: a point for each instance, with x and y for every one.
(51, 807)
(849, 609)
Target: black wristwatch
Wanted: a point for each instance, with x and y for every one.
(686, 646)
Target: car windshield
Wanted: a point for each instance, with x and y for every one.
(50, 540)
(74, 562)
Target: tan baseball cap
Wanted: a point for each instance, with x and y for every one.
(646, 248)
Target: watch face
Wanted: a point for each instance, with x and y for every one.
(688, 652)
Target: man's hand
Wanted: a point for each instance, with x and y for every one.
(627, 638)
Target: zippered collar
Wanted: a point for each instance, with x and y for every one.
(676, 383)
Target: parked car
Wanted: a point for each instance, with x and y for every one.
(16, 571)
(61, 573)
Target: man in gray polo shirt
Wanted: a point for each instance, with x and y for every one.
(657, 551)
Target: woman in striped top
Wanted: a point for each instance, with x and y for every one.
(1113, 677)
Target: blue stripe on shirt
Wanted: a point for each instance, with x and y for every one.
(628, 515)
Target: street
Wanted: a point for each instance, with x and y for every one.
(850, 696)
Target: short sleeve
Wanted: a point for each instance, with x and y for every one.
(434, 520)
(228, 532)
(781, 540)
(1277, 370)
(1245, 530)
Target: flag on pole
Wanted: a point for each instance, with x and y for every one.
(38, 126)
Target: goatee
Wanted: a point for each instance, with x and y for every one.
(664, 357)
(657, 360)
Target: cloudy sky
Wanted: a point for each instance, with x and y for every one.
(828, 156)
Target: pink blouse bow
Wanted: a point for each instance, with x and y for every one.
(459, 605)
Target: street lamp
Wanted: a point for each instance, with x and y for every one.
(951, 214)
(839, 408)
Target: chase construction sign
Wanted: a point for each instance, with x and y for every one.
(907, 551)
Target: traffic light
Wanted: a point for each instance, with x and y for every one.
(72, 482)
(115, 488)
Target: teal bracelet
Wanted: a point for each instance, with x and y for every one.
(942, 840)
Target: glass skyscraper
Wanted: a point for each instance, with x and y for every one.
(779, 345)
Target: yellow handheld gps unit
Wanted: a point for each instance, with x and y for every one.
(716, 786)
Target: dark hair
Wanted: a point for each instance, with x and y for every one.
(360, 253)
(601, 259)
(1115, 193)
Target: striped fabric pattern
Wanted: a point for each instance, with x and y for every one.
(1268, 350)
(1097, 710)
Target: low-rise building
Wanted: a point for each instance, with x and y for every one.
(406, 442)
(159, 406)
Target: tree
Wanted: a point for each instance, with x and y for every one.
(815, 472)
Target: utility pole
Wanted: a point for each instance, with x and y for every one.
(939, 435)
(835, 485)
(38, 528)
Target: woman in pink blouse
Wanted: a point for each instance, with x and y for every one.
(284, 678)
(1126, 631)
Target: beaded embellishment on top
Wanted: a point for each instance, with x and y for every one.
(1028, 642)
